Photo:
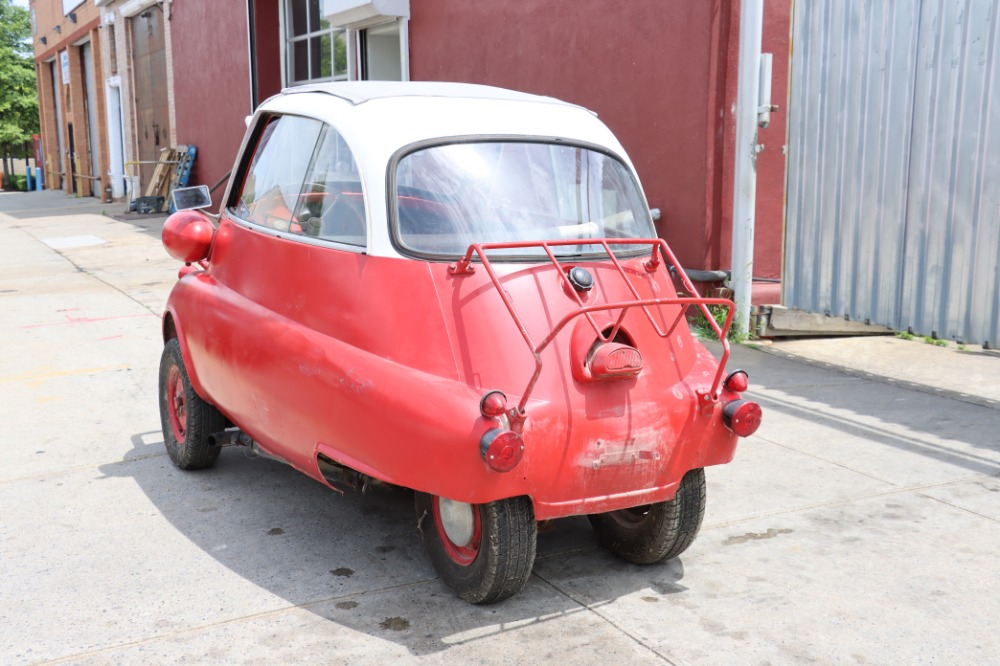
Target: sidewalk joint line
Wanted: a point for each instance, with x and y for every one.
(914, 489)
(221, 623)
(594, 608)
(88, 273)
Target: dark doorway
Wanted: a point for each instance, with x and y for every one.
(72, 158)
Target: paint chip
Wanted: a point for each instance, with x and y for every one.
(68, 242)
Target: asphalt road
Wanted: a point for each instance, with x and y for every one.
(860, 525)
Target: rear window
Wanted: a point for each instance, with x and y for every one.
(449, 196)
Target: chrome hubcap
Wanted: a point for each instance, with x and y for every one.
(457, 521)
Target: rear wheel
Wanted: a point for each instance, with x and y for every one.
(187, 420)
(655, 532)
(483, 551)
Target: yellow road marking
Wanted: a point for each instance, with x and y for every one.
(34, 377)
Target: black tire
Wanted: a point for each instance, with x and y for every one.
(655, 532)
(495, 563)
(187, 420)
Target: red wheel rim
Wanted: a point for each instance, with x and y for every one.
(176, 404)
(461, 554)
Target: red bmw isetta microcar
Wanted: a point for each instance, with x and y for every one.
(456, 289)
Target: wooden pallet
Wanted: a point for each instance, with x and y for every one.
(159, 184)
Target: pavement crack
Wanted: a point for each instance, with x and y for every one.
(80, 468)
(233, 620)
(94, 276)
(831, 462)
(912, 441)
(915, 489)
(594, 608)
(960, 508)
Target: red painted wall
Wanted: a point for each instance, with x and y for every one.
(661, 75)
(268, 53)
(211, 83)
(645, 66)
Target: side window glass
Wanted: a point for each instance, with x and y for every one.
(274, 181)
(332, 205)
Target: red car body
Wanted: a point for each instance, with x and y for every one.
(380, 362)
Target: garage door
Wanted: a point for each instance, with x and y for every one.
(893, 182)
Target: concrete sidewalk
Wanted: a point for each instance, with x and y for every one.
(859, 525)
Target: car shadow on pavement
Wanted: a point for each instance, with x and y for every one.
(357, 560)
(937, 428)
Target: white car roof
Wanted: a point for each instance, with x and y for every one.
(379, 118)
(383, 115)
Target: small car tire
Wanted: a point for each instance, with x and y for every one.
(497, 550)
(655, 532)
(187, 420)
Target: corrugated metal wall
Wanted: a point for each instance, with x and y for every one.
(893, 182)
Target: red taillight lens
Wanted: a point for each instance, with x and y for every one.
(501, 449)
(737, 381)
(493, 404)
(742, 416)
(615, 361)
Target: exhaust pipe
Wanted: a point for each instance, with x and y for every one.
(236, 437)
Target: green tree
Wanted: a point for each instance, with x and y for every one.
(18, 92)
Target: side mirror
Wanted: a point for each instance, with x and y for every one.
(187, 235)
(192, 198)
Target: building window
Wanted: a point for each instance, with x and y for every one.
(315, 51)
(380, 52)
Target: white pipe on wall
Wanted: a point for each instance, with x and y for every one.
(745, 187)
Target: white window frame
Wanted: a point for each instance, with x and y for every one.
(287, 48)
(354, 46)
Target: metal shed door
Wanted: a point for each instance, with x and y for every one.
(150, 86)
(893, 183)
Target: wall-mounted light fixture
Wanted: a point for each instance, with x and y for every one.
(72, 17)
(43, 40)
(58, 28)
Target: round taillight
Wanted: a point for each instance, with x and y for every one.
(501, 449)
(742, 417)
(493, 404)
(187, 235)
(737, 381)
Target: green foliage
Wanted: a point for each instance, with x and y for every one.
(701, 328)
(904, 335)
(931, 341)
(18, 93)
